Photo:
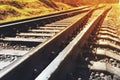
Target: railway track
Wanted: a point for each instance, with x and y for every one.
(67, 65)
(67, 46)
(98, 59)
(36, 37)
(20, 40)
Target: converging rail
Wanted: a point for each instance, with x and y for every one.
(65, 62)
(34, 41)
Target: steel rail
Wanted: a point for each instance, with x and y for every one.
(63, 63)
(23, 68)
